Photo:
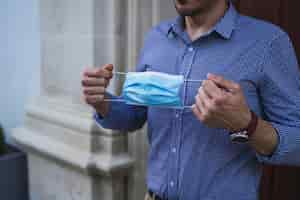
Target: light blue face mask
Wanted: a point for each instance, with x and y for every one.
(153, 89)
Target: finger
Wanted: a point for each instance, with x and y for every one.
(88, 82)
(206, 105)
(211, 89)
(93, 99)
(90, 72)
(100, 72)
(222, 82)
(217, 95)
(94, 90)
(103, 72)
(203, 97)
(106, 71)
(108, 67)
(197, 112)
(200, 109)
(200, 102)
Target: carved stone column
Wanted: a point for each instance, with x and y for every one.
(70, 157)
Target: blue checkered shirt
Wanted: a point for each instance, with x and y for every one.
(188, 160)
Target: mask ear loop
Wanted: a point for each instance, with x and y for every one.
(192, 81)
(120, 73)
(170, 107)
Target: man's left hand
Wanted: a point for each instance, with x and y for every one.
(221, 103)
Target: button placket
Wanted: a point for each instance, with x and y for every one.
(189, 60)
(177, 128)
(172, 183)
(174, 150)
(173, 176)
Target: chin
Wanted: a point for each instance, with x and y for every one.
(183, 2)
(188, 7)
(187, 11)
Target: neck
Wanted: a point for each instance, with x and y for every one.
(198, 25)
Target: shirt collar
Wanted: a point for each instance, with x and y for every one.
(224, 27)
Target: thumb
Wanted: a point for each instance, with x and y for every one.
(223, 83)
(108, 67)
(105, 71)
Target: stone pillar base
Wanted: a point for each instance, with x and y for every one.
(70, 157)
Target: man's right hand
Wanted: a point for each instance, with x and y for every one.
(94, 83)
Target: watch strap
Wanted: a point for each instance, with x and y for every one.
(243, 135)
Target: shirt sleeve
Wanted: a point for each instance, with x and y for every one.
(122, 116)
(280, 95)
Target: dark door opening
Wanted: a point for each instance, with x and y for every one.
(278, 183)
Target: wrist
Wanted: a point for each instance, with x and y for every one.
(102, 108)
(244, 121)
(244, 134)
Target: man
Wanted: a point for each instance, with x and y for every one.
(251, 91)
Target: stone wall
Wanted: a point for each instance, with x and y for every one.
(70, 157)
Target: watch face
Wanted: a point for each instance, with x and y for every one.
(239, 137)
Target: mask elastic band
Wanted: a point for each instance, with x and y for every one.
(186, 80)
(136, 104)
(120, 73)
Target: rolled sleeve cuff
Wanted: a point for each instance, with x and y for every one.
(288, 148)
(110, 119)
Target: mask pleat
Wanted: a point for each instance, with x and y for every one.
(153, 89)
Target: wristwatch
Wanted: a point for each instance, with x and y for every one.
(243, 135)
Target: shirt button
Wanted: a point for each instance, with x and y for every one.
(177, 115)
(191, 49)
(174, 150)
(172, 184)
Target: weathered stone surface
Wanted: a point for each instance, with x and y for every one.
(65, 183)
(70, 157)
